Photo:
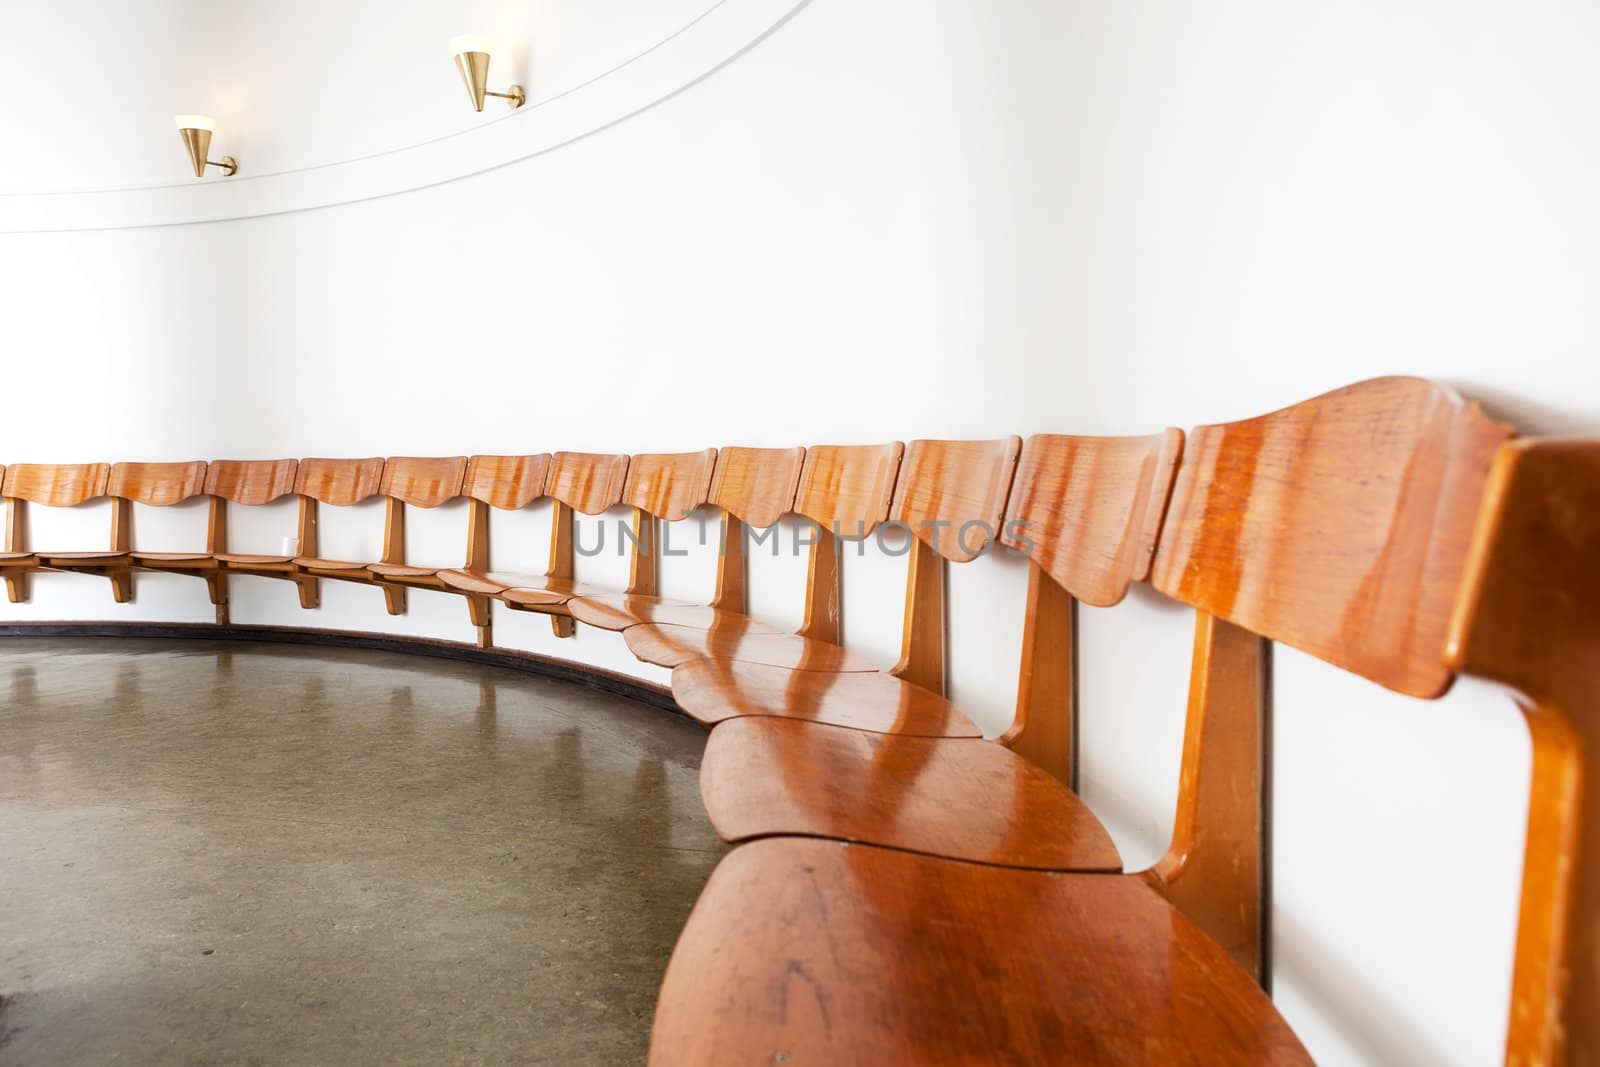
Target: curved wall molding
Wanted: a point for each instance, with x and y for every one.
(717, 37)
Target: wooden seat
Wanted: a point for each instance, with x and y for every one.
(713, 690)
(1090, 508)
(312, 563)
(805, 951)
(244, 560)
(618, 611)
(576, 482)
(949, 496)
(753, 487)
(175, 561)
(316, 481)
(963, 799)
(504, 483)
(148, 484)
(659, 487)
(247, 483)
(51, 485)
(491, 583)
(670, 646)
(403, 480)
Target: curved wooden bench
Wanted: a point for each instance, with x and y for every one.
(902, 890)
(753, 487)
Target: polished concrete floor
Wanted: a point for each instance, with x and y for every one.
(226, 853)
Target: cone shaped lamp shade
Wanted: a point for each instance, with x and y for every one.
(472, 60)
(196, 133)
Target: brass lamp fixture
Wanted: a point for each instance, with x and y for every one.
(196, 133)
(472, 60)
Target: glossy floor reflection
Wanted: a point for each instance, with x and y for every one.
(253, 853)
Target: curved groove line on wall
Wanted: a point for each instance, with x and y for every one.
(695, 51)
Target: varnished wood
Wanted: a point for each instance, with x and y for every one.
(1339, 526)
(813, 952)
(668, 646)
(1215, 868)
(60, 485)
(338, 482)
(17, 561)
(424, 482)
(562, 557)
(156, 484)
(56, 485)
(733, 569)
(504, 482)
(922, 632)
(644, 554)
(823, 619)
(251, 482)
(588, 482)
(757, 485)
(509, 483)
(1088, 509)
(952, 494)
(618, 611)
(745, 481)
(661, 487)
(1044, 728)
(394, 545)
(669, 485)
(848, 486)
(963, 799)
(1527, 620)
(713, 690)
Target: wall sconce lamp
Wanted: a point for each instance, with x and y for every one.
(472, 60)
(196, 133)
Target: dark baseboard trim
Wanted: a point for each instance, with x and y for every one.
(532, 663)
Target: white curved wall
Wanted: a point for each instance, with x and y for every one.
(898, 219)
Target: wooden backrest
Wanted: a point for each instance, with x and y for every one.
(1087, 510)
(507, 482)
(425, 483)
(669, 485)
(157, 484)
(56, 485)
(340, 482)
(757, 485)
(951, 494)
(251, 482)
(1339, 525)
(588, 482)
(848, 486)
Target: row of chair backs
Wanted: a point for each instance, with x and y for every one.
(1338, 526)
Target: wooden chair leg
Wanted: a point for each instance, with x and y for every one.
(309, 592)
(121, 586)
(563, 625)
(17, 587)
(394, 598)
